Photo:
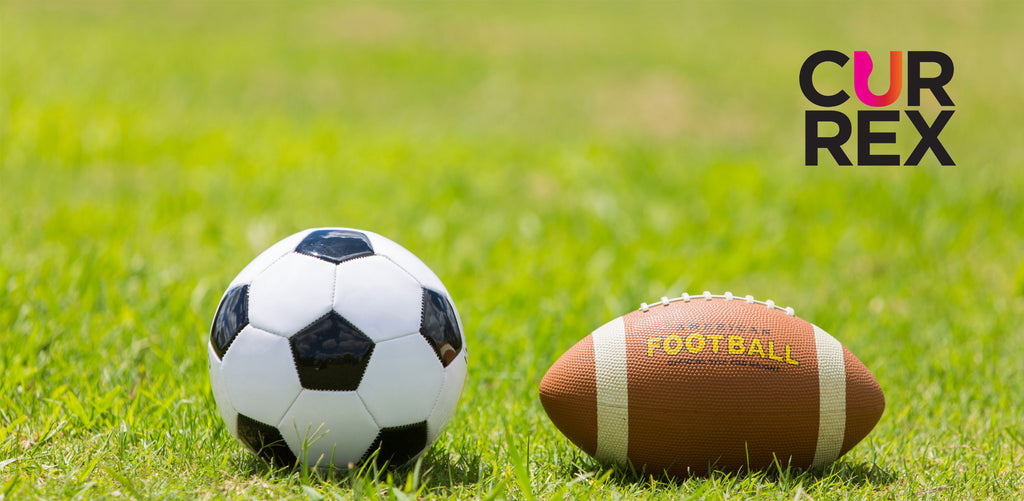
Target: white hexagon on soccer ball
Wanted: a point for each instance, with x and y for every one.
(328, 427)
(448, 400)
(378, 297)
(402, 381)
(259, 375)
(291, 293)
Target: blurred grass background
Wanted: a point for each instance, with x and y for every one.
(555, 163)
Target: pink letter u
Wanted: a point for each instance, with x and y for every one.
(862, 66)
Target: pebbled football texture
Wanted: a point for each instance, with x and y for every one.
(711, 383)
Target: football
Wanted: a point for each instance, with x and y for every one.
(335, 346)
(711, 382)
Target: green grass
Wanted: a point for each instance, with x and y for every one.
(555, 164)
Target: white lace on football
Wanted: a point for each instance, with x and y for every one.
(728, 296)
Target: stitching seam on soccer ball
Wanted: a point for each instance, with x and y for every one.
(407, 272)
(422, 288)
(368, 410)
(708, 296)
(287, 409)
(437, 398)
(334, 289)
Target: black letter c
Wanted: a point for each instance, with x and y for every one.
(807, 84)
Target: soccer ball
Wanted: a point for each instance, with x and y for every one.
(334, 345)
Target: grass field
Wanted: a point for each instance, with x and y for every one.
(555, 163)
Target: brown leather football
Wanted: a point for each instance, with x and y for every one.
(706, 382)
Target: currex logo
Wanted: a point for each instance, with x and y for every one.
(867, 135)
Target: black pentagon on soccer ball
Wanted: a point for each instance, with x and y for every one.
(331, 354)
(265, 440)
(439, 325)
(398, 444)
(335, 246)
(232, 316)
